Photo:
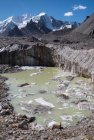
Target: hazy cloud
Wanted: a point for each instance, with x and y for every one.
(79, 7)
(68, 14)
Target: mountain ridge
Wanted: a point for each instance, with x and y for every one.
(41, 22)
(87, 27)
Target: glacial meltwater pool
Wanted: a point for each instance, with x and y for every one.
(51, 95)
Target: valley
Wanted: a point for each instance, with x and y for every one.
(47, 79)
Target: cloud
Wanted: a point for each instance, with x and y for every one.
(79, 7)
(68, 14)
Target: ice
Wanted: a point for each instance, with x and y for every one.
(66, 118)
(44, 103)
(30, 102)
(60, 108)
(33, 84)
(49, 112)
(52, 123)
(23, 108)
(35, 73)
(26, 68)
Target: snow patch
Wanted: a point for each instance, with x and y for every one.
(42, 14)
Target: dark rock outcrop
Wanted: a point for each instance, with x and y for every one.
(31, 55)
(15, 32)
(31, 29)
(35, 29)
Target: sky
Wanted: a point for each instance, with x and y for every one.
(66, 10)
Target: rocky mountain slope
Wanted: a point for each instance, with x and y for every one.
(87, 27)
(20, 21)
(83, 33)
(32, 25)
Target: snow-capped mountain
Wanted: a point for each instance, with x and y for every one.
(48, 21)
(7, 24)
(42, 22)
(52, 23)
(21, 21)
(43, 19)
(11, 22)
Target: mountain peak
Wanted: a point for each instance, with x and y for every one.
(41, 21)
(42, 14)
(37, 18)
(26, 16)
(9, 19)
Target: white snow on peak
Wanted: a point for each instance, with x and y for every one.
(45, 19)
(11, 22)
(68, 26)
(21, 22)
(9, 19)
(8, 23)
(38, 17)
(48, 22)
(42, 14)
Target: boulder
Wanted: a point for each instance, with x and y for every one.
(55, 125)
(0, 107)
(65, 96)
(10, 132)
(21, 117)
(22, 85)
(42, 91)
(69, 78)
(23, 125)
(5, 106)
(31, 119)
(5, 112)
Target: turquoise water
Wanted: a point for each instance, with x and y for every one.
(30, 101)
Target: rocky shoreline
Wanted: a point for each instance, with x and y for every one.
(9, 69)
(13, 127)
